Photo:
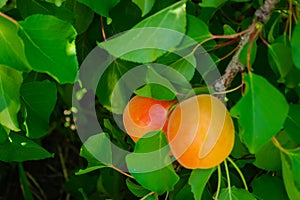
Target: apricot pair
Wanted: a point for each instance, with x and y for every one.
(199, 130)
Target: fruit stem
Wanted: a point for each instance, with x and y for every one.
(219, 183)
(239, 172)
(228, 179)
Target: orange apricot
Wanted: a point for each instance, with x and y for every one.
(142, 115)
(200, 132)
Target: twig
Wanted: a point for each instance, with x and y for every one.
(63, 165)
(37, 185)
(262, 15)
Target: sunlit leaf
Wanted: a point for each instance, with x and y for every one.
(261, 112)
(10, 83)
(288, 178)
(3, 3)
(235, 194)
(59, 62)
(152, 37)
(12, 52)
(150, 164)
(198, 181)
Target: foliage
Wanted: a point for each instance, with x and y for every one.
(44, 45)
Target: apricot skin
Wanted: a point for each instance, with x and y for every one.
(142, 115)
(200, 132)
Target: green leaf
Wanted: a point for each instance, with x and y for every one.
(183, 64)
(39, 106)
(58, 3)
(3, 3)
(295, 43)
(111, 91)
(261, 112)
(228, 30)
(144, 5)
(212, 3)
(136, 189)
(12, 52)
(234, 193)
(97, 151)
(107, 184)
(197, 30)
(186, 68)
(19, 149)
(269, 187)
(10, 83)
(288, 178)
(116, 134)
(152, 37)
(155, 91)
(280, 59)
(198, 181)
(292, 122)
(185, 193)
(157, 87)
(83, 15)
(294, 156)
(101, 7)
(244, 54)
(30, 7)
(268, 157)
(59, 62)
(150, 164)
(4, 132)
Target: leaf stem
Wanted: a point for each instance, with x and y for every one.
(102, 28)
(228, 179)
(9, 18)
(147, 195)
(219, 183)
(122, 172)
(278, 145)
(239, 172)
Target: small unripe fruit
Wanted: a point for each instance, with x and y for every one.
(200, 132)
(143, 115)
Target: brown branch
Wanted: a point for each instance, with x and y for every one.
(262, 15)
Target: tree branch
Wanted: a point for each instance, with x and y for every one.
(261, 15)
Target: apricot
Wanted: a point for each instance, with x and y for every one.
(200, 132)
(142, 115)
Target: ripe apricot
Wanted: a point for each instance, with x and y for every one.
(200, 132)
(142, 115)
